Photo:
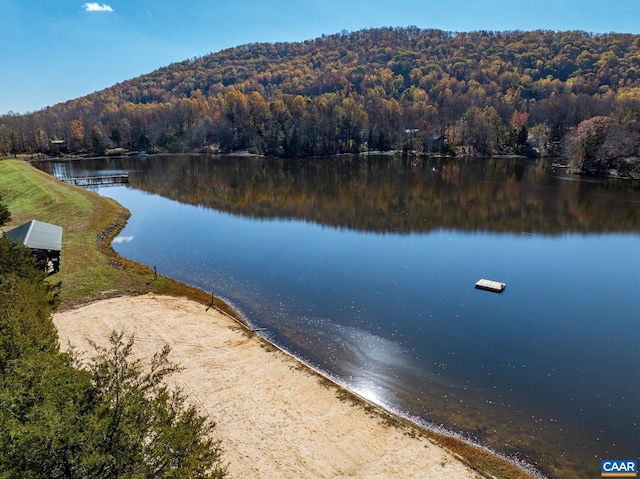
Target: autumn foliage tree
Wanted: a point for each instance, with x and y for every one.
(603, 145)
(480, 92)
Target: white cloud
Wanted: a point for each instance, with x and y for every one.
(96, 7)
(122, 239)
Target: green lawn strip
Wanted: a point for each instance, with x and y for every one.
(91, 270)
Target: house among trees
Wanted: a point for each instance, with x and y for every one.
(44, 240)
(58, 147)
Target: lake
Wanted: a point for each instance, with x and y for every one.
(365, 269)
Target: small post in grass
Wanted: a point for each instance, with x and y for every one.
(210, 304)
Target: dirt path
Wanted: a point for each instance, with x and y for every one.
(275, 418)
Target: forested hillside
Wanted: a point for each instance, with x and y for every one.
(379, 89)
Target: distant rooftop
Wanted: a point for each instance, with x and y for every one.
(38, 235)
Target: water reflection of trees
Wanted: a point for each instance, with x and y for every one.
(388, 194)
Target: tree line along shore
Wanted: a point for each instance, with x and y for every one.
(420, 91)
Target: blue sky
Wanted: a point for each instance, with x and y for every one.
(56, 50)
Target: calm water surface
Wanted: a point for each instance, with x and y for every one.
(365, 268)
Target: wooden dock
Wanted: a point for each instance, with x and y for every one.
(97, 181)
(489, 285)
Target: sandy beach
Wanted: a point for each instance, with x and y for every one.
(276, 419)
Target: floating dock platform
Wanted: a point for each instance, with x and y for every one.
(489, 285)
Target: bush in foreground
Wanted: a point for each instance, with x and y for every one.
(112, 417)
